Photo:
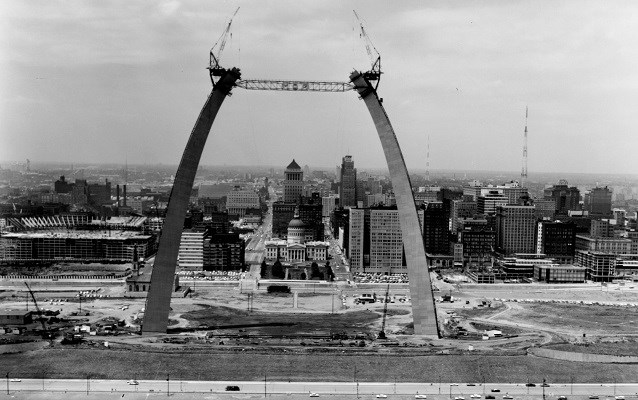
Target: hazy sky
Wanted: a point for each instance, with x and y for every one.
(94, 81)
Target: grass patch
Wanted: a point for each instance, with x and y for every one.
(622, 348)
(287, 324)
(196, 364)
(585, 318)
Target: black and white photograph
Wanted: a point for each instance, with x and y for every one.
(243, 199)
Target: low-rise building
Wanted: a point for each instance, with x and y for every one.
(601, 267)
(560, 273)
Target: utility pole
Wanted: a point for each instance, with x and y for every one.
(356, 381)
(571, 390)
(168, 384)
(87, 385)
(333, 303)
(7, 383)
(265, 394)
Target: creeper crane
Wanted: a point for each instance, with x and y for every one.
(216, 70)
(374, 74)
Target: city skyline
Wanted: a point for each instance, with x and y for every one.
(108, 83)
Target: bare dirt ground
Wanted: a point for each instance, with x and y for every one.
(523, 313)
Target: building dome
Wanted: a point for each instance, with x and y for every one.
(296, 223)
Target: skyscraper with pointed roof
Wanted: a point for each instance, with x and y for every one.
(293, 183)
(348, 186)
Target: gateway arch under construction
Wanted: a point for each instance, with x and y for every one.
(365, 84)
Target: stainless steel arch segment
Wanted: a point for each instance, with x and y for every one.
(423, 311)
(158, 300)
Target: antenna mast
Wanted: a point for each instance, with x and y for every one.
(427, 162)
(524, 169)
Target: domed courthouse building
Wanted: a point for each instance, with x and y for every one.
(299, 248)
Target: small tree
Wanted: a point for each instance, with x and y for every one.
(278, 270)
(264, 269)
(329, 273)
(314, 271)
(302, 276)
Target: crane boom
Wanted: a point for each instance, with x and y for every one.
(38, 310)
(215, 68)
(385, 313)
(374, 74)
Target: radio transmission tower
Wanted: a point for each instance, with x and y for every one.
(427, 162)
(524, 169)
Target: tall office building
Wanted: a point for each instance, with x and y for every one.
(348, 183)
(601, 229)
(224, 252)
(356, 239)
(435, 229)
(293, 183)
(282, 213)
(556, 240)
(375, 242)
(488, 203)
(461, 209)
(514, 192)
(239, 200)
(565, 198)
(191, 249)
(311, 213)
(516, 229)
(598, 201)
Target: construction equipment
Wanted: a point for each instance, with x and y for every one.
(215, 68)
(385, 313)
(375, 59)
(46, 334)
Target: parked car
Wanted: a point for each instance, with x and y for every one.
(530, 384)
(496, 390)
(232, 388)
(420, 396)
(382, 396)
(314, 394)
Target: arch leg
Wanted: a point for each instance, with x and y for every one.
(158, 299)
(423, 310)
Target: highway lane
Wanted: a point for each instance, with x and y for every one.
(345, 388)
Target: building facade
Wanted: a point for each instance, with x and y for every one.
(436, 229)
(293, 183)
(224, 252)
(516, 229)
(191, 249)
(239, 200)
(348, 183)
(556, 240)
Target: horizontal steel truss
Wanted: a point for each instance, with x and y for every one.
(295, 86)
